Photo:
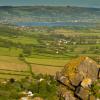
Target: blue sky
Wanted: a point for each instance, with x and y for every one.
(83, 3)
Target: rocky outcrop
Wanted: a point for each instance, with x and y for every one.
(77, 77)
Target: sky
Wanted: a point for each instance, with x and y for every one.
(82, 3)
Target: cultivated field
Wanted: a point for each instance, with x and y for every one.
(44, 50)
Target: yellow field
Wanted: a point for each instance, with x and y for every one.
(45, 69)
(12, 67)
(46, 62)
(12, 63)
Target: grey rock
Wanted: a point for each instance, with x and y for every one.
(83, 93)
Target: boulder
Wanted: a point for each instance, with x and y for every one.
(87, 82)
(64, 80)
(77, 77)
(92, 97)
(83, 93)
(69, 96)
(65, 93)
(78, 69)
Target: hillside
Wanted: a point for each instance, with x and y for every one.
(48, 14)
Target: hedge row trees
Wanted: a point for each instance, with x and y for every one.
(43, 86)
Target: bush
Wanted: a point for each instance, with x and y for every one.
(96, 89)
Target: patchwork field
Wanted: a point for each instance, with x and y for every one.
(12, 67)
(44, 49)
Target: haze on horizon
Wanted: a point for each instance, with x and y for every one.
(81, 3)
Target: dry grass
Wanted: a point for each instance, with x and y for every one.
(45, 69)
(12, 63)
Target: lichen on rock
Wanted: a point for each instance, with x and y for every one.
(78, 75)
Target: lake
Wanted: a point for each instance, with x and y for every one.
(82, 24)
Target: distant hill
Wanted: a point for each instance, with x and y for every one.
(49, 14)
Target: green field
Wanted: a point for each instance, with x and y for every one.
(44, 49)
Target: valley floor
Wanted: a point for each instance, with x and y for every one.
(45, 50)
